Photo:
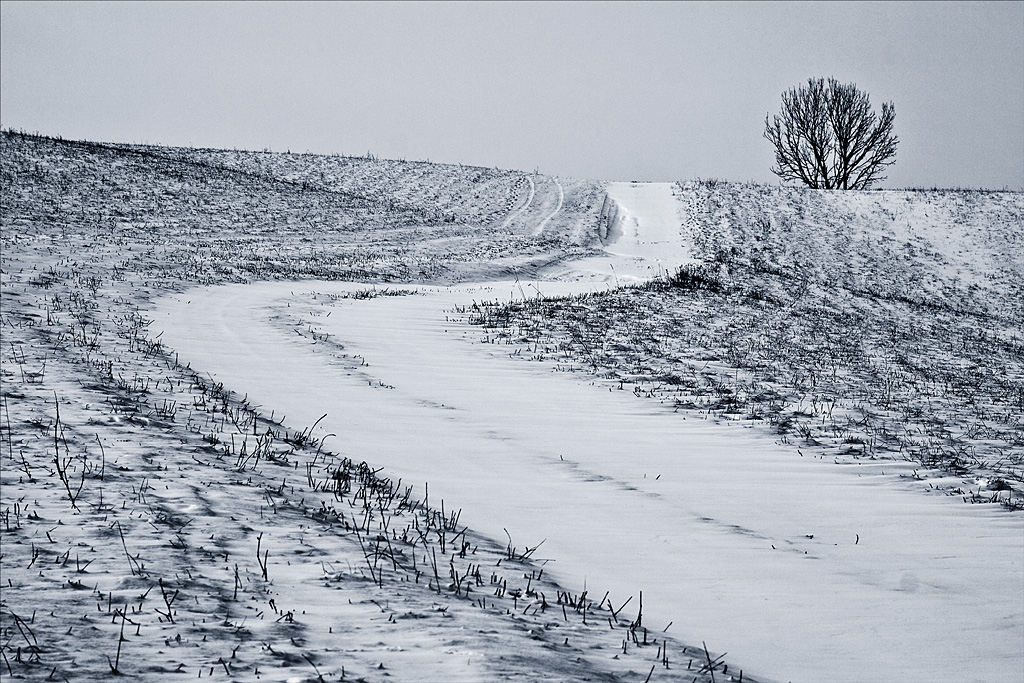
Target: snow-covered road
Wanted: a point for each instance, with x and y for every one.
(801, 569)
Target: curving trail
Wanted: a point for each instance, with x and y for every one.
(801, 569)
(527, 213)
(526, 205)
(561, 200)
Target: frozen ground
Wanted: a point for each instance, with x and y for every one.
(711, 441)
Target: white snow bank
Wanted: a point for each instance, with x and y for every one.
(800, 569)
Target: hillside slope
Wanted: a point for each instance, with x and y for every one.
(491, 200)
(156, 524)
(868, 323)
(858, 326)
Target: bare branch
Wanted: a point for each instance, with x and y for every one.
(827, 136)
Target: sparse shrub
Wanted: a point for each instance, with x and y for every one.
(696, 276)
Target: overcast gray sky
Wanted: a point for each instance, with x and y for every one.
(649, 91)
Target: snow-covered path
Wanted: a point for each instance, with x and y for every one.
(801, 569)
(641, 233)
(526, 204)
(645, 222)
(558, 207)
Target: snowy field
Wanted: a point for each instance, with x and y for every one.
(200, 347)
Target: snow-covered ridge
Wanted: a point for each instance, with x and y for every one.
(959, 248)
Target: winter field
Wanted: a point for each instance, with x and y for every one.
(292, 417)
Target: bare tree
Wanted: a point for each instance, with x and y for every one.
(828, 137)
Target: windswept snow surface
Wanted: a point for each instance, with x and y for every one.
(801, 569)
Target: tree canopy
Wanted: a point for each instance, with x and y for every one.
(828, 137)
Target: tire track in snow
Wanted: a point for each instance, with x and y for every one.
(561, 200)
(515, 214)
